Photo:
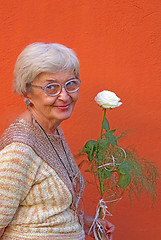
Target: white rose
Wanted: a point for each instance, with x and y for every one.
(107, 99)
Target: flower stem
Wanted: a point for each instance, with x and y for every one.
(99, 176)
(103, 121)
(101, 193)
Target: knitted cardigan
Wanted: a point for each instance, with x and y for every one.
(36, 195)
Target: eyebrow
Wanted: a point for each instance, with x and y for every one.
(56, 80)
(51, 80)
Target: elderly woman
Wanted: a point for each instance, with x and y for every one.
(40, 184)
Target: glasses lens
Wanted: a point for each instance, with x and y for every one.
(72, 85)
(53, 89)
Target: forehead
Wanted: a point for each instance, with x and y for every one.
(59, 77)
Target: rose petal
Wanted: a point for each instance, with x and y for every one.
(107, 99)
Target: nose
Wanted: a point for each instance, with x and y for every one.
(63, 94)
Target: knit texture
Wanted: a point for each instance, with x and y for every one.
(25, 132)
(35, 203)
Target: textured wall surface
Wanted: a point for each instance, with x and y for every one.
(119, 47)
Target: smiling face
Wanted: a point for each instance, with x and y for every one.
(50, 111)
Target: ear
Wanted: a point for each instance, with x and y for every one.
(26, 100)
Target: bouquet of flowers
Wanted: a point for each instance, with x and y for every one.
(115, 169)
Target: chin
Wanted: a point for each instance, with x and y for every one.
(64, 116)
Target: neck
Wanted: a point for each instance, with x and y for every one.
(31, 116)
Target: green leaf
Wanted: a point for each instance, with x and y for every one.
(112, 131)
(124, 167)
(111, 138)
(106, 125)
(105, 173)
(101, 147)
(124, 180)
(89, 148)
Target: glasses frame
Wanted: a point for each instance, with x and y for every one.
(61, 86)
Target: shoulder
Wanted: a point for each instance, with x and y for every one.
(20, 153)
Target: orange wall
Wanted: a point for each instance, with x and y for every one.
(119, 47)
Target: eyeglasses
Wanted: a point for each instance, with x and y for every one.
(54, 89)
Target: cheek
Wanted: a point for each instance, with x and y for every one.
(48, 101)
(43, 103)
(75, 97)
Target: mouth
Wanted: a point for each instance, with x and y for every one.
(63, 107)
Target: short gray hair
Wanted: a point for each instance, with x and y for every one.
(40, 57)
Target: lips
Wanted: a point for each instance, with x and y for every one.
(63, 107)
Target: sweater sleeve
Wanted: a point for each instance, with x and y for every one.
(18, 167)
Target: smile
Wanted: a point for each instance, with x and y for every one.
(63, 107)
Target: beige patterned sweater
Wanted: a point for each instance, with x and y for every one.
(35, 203)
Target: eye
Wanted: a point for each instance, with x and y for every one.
(70, 82)
(73, 85)
(51, 86)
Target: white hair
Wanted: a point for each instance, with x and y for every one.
(39, 57)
